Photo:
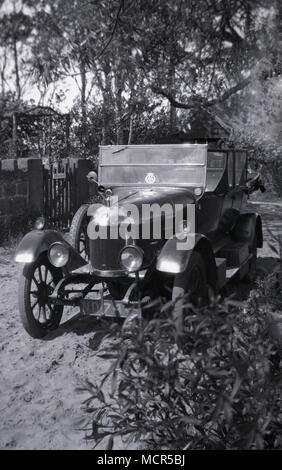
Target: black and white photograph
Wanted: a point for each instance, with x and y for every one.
(141, 228)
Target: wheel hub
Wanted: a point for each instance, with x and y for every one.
(43, 293)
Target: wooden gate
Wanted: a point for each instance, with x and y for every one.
(65, 188)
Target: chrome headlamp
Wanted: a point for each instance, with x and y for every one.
(131, 258)
(59, 254)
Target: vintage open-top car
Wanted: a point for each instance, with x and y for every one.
(158, 254)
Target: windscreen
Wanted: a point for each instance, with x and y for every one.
(180, 165)
(216, 163)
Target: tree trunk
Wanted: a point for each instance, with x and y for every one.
(107, 92)
(171, 85)
(15, 138)
(131, 108)
(3, 88)
(83, 100)
(130, 128)
(2, 83)
(18, 85)
(118, 108)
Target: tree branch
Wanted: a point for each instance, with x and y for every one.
(231, 91)
(198, 100)
(192, 102)
(112, 33)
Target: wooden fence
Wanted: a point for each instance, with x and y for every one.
(65, 188)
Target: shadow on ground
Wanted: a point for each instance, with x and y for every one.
(239, 290)
(77, 324)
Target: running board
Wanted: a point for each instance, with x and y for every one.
(226, 273)
(230, 272)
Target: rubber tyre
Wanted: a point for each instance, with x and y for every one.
(78, 232)
(251, 275)
(33, 327)
(184, 283)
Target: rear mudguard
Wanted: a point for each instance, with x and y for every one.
(246, 225)
(174, 261)
(38, 241)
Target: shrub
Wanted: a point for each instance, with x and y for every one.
(217, 386)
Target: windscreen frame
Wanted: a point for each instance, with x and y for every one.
(162, 148)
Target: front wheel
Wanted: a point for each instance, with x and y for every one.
(36, 284)
(78, 237)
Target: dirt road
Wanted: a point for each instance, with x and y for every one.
(39, 408)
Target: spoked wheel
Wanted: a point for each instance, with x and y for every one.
(78, 232)
(37, 282)
(190, 286)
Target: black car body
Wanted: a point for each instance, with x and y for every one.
(122, 273)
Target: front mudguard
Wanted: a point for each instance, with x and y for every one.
(38, 241)
(174, 261)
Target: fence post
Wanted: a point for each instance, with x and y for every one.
(83, 167)
(14, 135)
(35, 186)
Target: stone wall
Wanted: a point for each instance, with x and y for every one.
(21, 195)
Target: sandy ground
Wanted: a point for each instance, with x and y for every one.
(39, 406)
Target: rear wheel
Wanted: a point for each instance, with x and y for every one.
(251, 275)
(189, 286)
(78, 237)
(36, 284)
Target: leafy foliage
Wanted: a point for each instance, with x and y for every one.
(129, 56)
(143, 68)
(218, 386)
